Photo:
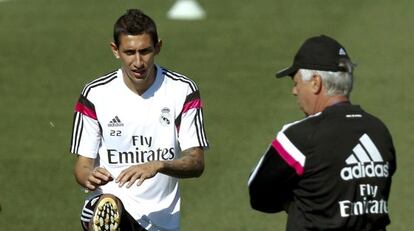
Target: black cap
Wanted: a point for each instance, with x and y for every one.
(320, 53)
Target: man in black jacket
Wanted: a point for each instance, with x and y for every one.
(331, 170)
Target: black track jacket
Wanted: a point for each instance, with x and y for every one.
(329, 171)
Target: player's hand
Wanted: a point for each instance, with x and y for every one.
(138, 173)
(97, 177)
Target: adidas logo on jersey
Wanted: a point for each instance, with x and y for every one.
(365, 161)
(115, 122)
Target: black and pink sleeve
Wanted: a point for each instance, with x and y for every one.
(272, 181)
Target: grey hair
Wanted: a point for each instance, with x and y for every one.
(336, 83)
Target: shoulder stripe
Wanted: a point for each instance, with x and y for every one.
(193, 96)
(98, 82)
(195, 104)
(288, 151)
(199, 126)
(286, 126)
(76, 132)
(86, 107)
(201, 133)
(293, 156)
(89, 112)
(178, 77)
(192, 101)
(106, 76)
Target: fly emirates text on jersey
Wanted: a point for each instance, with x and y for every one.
(142, 152)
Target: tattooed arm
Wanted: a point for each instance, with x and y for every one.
(191, 164)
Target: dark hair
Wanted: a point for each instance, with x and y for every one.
(135, 22)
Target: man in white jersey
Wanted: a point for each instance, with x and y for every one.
(135, 132)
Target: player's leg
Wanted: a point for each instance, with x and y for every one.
(129, 223)
(88, 211)
(105, 213)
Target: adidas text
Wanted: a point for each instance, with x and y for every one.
(115, 122)
(115, 125)
(365, 169)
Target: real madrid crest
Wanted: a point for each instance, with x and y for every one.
(165, 118)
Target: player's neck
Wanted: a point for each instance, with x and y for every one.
(139, 87)
(336, 99)
(326, 101)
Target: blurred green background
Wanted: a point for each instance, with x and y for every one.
(50, 48)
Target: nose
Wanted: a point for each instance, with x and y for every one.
(138, 61)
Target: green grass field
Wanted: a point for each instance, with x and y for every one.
(49, 49)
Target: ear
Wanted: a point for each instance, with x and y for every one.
(158, 47)
(115, 50)
(316, 84)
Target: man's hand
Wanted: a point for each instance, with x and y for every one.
(97, 177)
(139, 173)
(88, 176)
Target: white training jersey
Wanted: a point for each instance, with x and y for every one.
(120, 128)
